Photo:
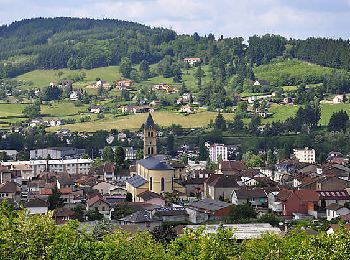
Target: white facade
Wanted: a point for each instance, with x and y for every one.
(305, 155)
(130, 153)
(72, 166)
(331, 214)
(218, 152)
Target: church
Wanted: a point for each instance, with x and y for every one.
(152, 173)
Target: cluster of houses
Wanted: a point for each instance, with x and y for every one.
(159, 189)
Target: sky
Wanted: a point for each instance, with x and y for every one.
(231, 18)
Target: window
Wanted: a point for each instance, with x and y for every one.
(150, 183)
(162, 184)
(152, 150)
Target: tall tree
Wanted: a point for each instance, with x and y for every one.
(220, 122)
(119, 156)
(338, 121)
(108, 154)
(125, 67)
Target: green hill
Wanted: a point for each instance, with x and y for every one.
(290, 72)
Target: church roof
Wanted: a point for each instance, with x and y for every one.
(152, 163)
(149, 122)
(136, 181)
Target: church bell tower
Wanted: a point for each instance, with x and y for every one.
(150, 138)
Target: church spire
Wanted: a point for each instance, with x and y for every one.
(149, 122)
(150, 137)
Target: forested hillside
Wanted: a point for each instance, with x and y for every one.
(52, 43)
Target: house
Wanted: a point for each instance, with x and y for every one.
(96, 109)
(5, 175)
(62, 215)
(136, 109)
(54, 122)
(130, 153)
(192, 61)
(37, 206)
(56, 153)
(260, 82)
(240, 231)
(207, 209)
(151, 198)
(186, 109)
(124, 84)
(108, 172)
(142, 218)
(99, 204)
(306, 155)
(338, 99)
(287, 100)
(298, 201)
(218, 152)
(231, 167)
(103, 187)
(10, 190)
(164, 87)
(74, 96)
(335, 210)
(178, 214)
(66, 83)
(336, 196)
(219, 186)
(255, 197)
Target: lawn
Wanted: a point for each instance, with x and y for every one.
(11, 110)
(133, 122)
(59, 109)
(42, 78)
(281, 113)
(328, 109)
(293, 68)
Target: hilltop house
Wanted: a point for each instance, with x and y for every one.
(192, 61)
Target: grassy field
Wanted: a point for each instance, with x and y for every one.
(328, 109)
(42, 78)
(11, 110)
(62, 109)
(281, 113)
(135, 121)
(297, 69)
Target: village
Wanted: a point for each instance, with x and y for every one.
(164, 189)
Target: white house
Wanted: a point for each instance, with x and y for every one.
(335, 210)
(305, 155)
(37, 206)
(74, 96)
(191, 61)
(218, 152)
(338, 99)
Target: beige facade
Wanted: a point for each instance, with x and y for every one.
(150, 138)
(305, 155)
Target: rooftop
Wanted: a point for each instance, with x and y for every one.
(136, 181)
(149, 122)
(152, 163)
(241, 231)
(209, 204)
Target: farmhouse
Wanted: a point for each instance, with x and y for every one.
(124, 84)
(192, 61)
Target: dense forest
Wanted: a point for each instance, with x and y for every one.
(53, 43)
